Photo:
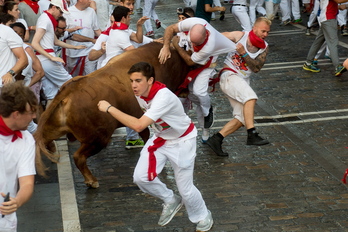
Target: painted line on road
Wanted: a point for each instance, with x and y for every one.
(70, 213)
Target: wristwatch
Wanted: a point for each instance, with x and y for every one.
(12, 72)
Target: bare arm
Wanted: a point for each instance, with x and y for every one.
(22, 62)
(82, 38)
(184, 55)
(96, 54)
(208, 8)
(39, 72)
(26, 188)
(168, 35)
(137, 124)
(340, 1)
(256, 64)
(234, 36)
(138, 36)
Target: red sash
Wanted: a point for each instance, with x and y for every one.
(192, 75)
(81, 60)
(157, 143)
(46, 50)
(6, 131)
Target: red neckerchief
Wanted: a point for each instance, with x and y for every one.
(6, 131)
(153, 91)
(256, 41)
(107, 31)
(199, 47)
(185, 32)
(33, 5)
(119, 26)
(53, 20)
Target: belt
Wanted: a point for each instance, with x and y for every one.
(238, 5)
(46, 50)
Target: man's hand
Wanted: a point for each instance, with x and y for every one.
(8, 207)
(103, 105)
(164, 54)
(240, 49)
(7, 79)
(57, 59)
(159, 40)
(80, 47)
(142, 20)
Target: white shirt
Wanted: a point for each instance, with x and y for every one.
(118, 41)
(17, 159)
(166, 107)
(87, 19)
(47, 40)
(8, 39)
(236, 62)
(217, 43)
(28, 72)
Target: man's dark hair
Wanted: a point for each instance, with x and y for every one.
(14, 97)
(18, 24)
(145, 68)
(61, 18)
(5, 18)
(189, 11)
(120, 12)
(8, 6)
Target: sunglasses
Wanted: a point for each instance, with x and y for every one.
(62, 28)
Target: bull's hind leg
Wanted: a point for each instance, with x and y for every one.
(80, 159)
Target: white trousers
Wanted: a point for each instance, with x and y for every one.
(199, 92)
(55, 77)
(256, 5)
(181, 156)
(271, 9)
(90, 66)
(285, 9)
(149, 11)
(238, 92)
(342, 17)
(240, 13)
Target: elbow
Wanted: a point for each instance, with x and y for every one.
(139, 128)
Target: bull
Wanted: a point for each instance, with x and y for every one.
(74, 112)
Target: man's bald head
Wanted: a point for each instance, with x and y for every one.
(198, 33)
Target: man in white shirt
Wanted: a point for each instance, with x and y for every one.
(84, 16)
(44, 41)
(12, 56)
(174, 140)
(18, 106)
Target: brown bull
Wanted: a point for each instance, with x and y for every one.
(74, 110)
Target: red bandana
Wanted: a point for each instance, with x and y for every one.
(33, 5)
(153, 91)
(53, 20)
(119, 26)
(6, 131)
(256, 41)
(199, 47)
(107, 31)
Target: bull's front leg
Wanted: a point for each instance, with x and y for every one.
(80, 159)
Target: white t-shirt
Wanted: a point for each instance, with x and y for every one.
(184, 41)
(102, 13)
(118, 41)
(22, 21)
(217, 43)
(17, 159)
(8, 39)
(97, 46)
(47, 40)
(236, 62)
(28, 72)
(166, 107)
(87, 19)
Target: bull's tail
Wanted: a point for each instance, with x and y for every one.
(49, 129)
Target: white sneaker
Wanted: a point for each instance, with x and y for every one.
(205, 135)
(206, 223)
(169, 211)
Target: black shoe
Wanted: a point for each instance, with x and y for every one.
(215, 143)
(255, 139)
(209, 119)
(222, 15)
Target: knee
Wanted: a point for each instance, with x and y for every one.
(139, 179)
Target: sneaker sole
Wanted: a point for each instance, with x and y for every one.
(204, 230)
(133, 147)
(173, 214)
(311, 70)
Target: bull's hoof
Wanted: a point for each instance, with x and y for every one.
(92, 184)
